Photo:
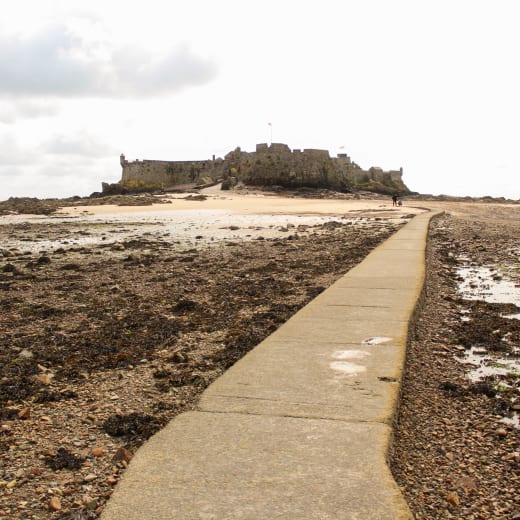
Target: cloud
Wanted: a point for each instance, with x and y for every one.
(12, 154)
(82, 144)
(43, 65)
(11, 111)
(57, 63)
(137, 73)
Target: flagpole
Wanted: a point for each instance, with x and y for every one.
(271, 134)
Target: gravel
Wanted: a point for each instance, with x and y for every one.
(453, 455)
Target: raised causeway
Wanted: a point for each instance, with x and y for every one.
(300, 427)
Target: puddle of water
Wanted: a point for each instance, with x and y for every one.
(487, 284)
(377, 340)
(488, 364)
(483, 283)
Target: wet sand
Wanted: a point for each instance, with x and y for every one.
(255, 203)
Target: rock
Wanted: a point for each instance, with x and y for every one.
(90, 477)
(453, 499)
(468, 484)
(122, 454)
(501, 432)
(97, 452)
(89, 502)
(117, 246)
(43, 260)
(44, 379)
(24, 414)
(25, 354)
(55, 504)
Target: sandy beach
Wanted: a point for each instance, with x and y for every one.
(114, 319)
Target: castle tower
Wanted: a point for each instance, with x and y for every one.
(122, 159)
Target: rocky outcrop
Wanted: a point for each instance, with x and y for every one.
(278, 165)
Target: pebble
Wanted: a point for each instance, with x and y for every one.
(97, 452)
(122, 454)
(24, 414)
(502, 432)
(55, 504)
(44, 379)
(453, 499)
(90, 477)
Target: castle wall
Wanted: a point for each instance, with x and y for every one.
(269, 165)
(170, 173)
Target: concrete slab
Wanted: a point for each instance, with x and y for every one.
(339, 294)
(327, 330)
(362, 280)
(349, 382)
(335, 310)
(391, 262)
(233, 466)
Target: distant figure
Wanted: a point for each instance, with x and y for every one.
(394, 200)
(399, 202)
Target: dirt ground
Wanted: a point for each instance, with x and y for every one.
(457, 447)
(103, 343)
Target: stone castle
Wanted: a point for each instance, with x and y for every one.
(269, 165)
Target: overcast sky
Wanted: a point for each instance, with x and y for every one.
(432, 86)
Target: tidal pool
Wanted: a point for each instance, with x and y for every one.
(488, 284)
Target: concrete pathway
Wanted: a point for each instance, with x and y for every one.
(300, 427)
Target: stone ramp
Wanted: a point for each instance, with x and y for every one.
(300, 427)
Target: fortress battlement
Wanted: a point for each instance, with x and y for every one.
(274, 164)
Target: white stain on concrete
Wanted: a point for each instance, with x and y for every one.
(350, 354)
(347, 368)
